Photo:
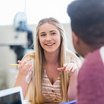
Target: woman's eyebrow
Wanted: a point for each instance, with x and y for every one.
(52, 31)
(41, 32)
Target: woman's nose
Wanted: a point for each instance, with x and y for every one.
(48, 37)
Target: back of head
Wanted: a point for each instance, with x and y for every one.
(87, 21)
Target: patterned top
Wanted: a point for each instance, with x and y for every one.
(51, 92)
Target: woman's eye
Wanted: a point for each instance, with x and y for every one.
(53, 33)
(43, 35)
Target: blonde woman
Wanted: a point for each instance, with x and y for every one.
(49, 74)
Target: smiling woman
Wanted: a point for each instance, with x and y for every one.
(49, 37)
(51, 82)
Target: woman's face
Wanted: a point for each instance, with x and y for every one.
(49, 37)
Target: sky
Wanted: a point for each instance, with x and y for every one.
(34, 10)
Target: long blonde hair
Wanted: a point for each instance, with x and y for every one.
(38, 68)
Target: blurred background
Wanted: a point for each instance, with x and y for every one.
(18, 19)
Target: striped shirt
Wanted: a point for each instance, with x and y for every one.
(51, 92)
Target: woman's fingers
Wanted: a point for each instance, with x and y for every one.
(61, 69)
(24, 67)
(70, 67)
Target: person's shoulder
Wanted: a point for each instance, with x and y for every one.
(92, 57)
(29, 56)
(91, 61)
(70, 53)
(73, 58)
(91, 65)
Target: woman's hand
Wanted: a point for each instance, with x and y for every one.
(24, 75)
(70, 67)
(24, 67)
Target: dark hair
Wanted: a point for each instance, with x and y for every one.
(87, 21)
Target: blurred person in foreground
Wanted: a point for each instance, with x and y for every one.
(87, 22)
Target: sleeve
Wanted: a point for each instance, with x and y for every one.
(71, 57)
(30, 58)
